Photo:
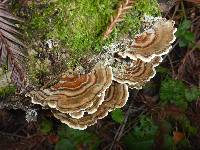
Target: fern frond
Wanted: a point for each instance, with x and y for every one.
(122, 10)
(11, 46)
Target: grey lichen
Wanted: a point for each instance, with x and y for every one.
(31, 115)
(5, 83)
(4, 78)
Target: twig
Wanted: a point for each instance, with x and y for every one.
(12, 135)
(172, 67)
(183, 9)
(120, 130)
(176, 9)
(183, 62)
(171, 49)
(171, 6)
(141, 110)
(119, 17)
(37, 144)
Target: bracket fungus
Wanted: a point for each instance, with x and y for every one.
(155, 41)
(116, 97)
(136, 72)
(73, 94)
(79, 101)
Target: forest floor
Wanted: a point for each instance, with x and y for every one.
(164, 115)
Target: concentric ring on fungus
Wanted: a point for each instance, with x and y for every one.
(153, 42)
(116, 97)
(91, 109)
(135, 73)
(74, 94)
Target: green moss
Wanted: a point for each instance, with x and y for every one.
(37, 69)
(79, 24)
(132, 22)
(10, 89)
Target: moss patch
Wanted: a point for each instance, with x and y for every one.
(77, 25)
(132, 21)
(10, 89)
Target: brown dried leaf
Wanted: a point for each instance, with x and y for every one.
(122, 10)
(178, 136)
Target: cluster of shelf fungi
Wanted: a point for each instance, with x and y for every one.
(80, 100)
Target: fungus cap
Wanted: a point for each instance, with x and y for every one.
(135, 73)
(116, 97)
(153, 42)
(73, 94)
